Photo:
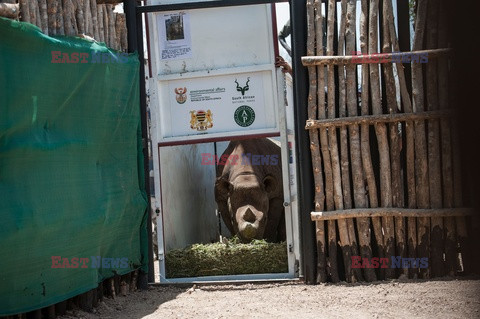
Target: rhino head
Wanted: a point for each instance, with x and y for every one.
(247, 204)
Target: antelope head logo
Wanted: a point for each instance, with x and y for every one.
(242, 89)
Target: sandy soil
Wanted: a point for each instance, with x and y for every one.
(445, 298)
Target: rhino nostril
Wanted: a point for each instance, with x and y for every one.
(249, 216)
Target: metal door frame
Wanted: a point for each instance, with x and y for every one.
(134, 13)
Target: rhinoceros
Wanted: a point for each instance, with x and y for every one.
(249, 190)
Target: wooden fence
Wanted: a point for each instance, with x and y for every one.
(386, 165)
(87, 18)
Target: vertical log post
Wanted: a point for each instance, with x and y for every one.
(61, 308)
(344, 159)
(133, 283)
(69, 18)
(32, 8)
(50, 312)
(328, 169)
(88, 19)
(43, 15)
(93, 9)
(381, 133)
(79, 15)
(359, 193)
(111, 27)
(101, 30)
(38, 16)
(421, 164)
(24, 10)
(365, 132)
(446, 146)
(314, 146)
(118, 31)
(52, 16)
(464, 259)
(435, 182)
(332, 141)
(106, 24)
(123, 36)
(395, 141)
(410, 144)
(60, 20)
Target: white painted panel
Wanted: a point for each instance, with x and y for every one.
(187, 196)
(221, 99)
(221, 38)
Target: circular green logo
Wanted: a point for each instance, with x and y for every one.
(244, 116)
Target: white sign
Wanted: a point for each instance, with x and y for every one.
(174, 33)
(225, 103)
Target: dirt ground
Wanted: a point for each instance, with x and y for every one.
(444, 298)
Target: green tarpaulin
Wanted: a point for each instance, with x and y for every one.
(71, 172)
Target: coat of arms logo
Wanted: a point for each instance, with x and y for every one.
(181, 95)
(201, 120)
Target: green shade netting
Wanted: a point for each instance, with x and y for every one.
(71, 172)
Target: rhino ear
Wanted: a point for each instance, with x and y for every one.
(223, 187)
(270, 184)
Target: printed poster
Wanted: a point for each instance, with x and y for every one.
(174, 36)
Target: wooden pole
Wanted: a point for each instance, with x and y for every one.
(410, 143)
(106, 24)
(88, 19)
(374, 119)
(314, 147)
(395, 143)
(365, 131)
(328, 169)
(111, 27)
(343, 228)
(79, 15)
(421, 164)
(359, 193)
(60, 20)
(123, 34)
(352, 274)
(37, 15)
(118, 31)
(381, 133)
(33, 11)
(391, 212)
(43, 15)
(25, 10)
(435, 180)
(68, 16)
(101, 30)
(446, 147)
(93, 9)
(375, 58)
(52, 16)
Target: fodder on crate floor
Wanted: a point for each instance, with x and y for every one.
(232, 258)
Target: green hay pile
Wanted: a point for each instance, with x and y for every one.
(232, 258)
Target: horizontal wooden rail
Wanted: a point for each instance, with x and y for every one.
(390, 212)
(372, 119)
(395, 57)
